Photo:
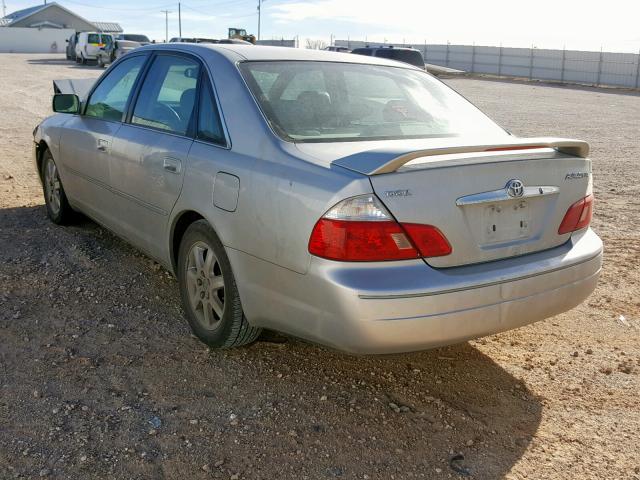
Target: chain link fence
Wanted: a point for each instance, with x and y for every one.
(568, 66)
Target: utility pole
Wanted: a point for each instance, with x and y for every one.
(166, 25)
(179, 21)
(4, 9)
(259, 15)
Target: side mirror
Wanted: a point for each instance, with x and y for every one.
(66, 103)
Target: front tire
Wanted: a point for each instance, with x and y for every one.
(58, 209)
(208, 290)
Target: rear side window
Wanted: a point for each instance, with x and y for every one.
(209, 122)
(168, 94)
(110, 97)
(93, 38)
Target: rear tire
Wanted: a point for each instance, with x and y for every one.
(208, 290)
(58, 209)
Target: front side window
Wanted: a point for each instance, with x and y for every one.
(93, 38)
(209, 123)
(110, 97)
(311, 101)
(168, 94)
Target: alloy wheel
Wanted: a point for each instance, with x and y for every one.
(205, 284)
(52, 186)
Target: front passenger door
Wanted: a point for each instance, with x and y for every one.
(150, 151)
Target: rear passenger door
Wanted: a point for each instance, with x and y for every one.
(150, 150)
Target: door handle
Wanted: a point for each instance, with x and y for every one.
(172, 165)
(103, 145)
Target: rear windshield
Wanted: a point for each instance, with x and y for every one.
(330, 101)
(412, 57)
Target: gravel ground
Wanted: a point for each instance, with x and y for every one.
(100, 377)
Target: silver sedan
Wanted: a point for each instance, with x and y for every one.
(352, 201)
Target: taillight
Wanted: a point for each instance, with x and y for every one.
(578, 216)
(360, 229)
(429, 240)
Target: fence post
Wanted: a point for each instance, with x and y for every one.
(564, 54)
(531, 63)
(473, 58)
(500, 62)
(638, 70)
(599, 68)
(447, 57)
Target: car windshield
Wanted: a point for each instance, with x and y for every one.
(308, 101)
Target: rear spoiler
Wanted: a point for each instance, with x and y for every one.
(387, 160)
(79, 87)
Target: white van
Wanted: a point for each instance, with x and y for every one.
(90, 44)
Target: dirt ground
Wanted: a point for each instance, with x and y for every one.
(100, 377)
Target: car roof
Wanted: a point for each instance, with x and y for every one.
(237, 53)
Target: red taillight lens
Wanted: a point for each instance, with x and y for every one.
(429, 240)
(360, 241)
(578, 216)
(361, 229)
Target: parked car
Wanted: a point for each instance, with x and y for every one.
(349, 200)
(71, 46)
(401, 54)
(334, 48)
(91, 44)
(127, 42)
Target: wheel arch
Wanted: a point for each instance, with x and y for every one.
(41, 147)
(180, 224)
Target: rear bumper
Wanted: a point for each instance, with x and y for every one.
(407, 306)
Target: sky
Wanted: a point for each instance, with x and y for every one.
(579, 25)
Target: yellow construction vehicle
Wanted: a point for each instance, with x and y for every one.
(241, 34)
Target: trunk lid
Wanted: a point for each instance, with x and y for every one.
(464, 191)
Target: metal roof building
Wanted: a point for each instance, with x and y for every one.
(54, 15)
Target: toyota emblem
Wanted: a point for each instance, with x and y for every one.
(515, 188)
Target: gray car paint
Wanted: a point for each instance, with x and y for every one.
(282, 190)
